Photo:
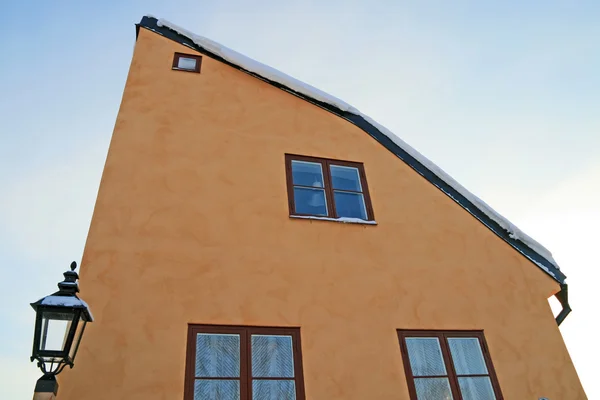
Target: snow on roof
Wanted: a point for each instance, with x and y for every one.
(277, 76)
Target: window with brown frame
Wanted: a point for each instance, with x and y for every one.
(243, 363)
(448, 365)
(327, 188)
(187, 62)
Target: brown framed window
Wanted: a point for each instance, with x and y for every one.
(327, 188)
(444, 365)
(187, 62)
(243, 363)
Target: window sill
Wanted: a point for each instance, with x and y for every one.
(185, 70)
(345, 220)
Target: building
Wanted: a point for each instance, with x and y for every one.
(254, 237)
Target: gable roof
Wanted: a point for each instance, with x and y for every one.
(502, 227)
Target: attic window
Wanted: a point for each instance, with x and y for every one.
(187, 62)
(330, 189)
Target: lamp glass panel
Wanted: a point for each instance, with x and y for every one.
(55, 329)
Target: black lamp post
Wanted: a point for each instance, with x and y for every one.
(60, 320)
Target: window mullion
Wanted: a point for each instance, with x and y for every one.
(365, 191)
(245, 366)
(407, 367)
(328, 189)
(290, 184)
(191, 361)
(298, 370)
(487, 358)
(452, 377)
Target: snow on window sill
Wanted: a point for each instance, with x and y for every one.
(345, 220)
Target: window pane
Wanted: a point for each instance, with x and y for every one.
(214, 389)
(55, 328)
(77, 337)
(273, 390)
(467, 356)
(350, 205)
(307, 174)
(476, 388)
(310, 201)
(217, 355)
(345, 178)
(425, 356)
(272, 356)
(433, 389)
(186, 63)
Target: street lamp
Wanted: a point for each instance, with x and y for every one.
(60, 321)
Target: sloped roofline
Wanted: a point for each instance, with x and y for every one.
(503, 228)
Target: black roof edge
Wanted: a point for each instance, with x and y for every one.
(151, 24)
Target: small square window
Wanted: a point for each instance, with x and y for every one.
(327, 188)
(187, 62)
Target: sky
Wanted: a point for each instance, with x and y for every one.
(503, 95)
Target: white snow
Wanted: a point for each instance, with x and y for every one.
(347, 220)
(544, 268)
(277, 76)
(67, 301)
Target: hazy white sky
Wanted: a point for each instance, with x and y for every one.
(504, 95)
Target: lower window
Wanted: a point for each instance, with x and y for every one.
(448, 365)
(243, 363)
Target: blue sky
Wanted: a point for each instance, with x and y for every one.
(503, 95)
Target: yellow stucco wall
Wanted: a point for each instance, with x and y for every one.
(191, 226)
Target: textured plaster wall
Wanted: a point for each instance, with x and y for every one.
(191, 226)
